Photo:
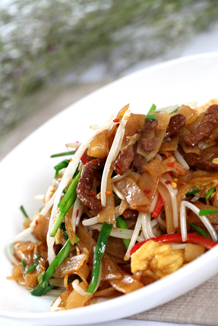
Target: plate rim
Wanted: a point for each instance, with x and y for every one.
(47, 315)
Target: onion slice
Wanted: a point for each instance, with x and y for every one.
(115, 148)
(181, 160)
(173, 201)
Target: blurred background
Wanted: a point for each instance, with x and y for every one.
(53, 52)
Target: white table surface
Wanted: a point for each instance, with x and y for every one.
(204, 42)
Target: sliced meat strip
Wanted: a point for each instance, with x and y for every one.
(148, 144)
(139, 163)
(177, 122)
(124, 160)
(204, 129)
(130, 213)
(150, 124)
(85, 184)
(195, 161)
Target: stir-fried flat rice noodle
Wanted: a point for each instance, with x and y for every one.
(136, 201)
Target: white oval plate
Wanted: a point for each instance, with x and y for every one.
(28, 171)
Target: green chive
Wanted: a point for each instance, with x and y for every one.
(65, 204)
(207, 211)
(192, 191)
(175, 110)
(122, 225)
(63, 229)
(63, 154)
(77, 238)
(98, 254)
(23, 264)
(43, 287)
(33, 267)
(61, 166)
(24, 212)
(151, 116)
(197, 228)
(152, 108)
(209, 193)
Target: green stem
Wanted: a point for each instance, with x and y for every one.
(98, 255)
(43, 287)
(122, 225)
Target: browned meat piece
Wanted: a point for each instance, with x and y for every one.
(177, 122)
(150, 124)
(85, 184)
(195, 161)
(204, 129)
(124, 160)
(139, 163)
(130, 213)
(148, 144)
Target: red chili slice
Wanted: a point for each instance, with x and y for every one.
(168, 238)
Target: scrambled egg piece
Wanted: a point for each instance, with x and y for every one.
(158, 257)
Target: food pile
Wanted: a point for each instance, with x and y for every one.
(135, 202)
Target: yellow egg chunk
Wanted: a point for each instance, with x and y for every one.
(157, 257)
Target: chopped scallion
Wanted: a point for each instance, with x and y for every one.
(151, 116)
(33, 267)
(98, 254)
(63, 229)
(122, 225)
(43, 287)
(63, 154)
(23, 264)
(24, 212)
(175, 110)
(65, 204)
(209, 193)
(192, 191)
(197, 228)
(207, 211)
(61, 166)
(152, 108)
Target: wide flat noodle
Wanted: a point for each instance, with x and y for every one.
(107, 214)
(133, 194)
(127, 284)
(159, 135)
(69, 227)
(168, 207)
(71, 264)
(133, 127)
(76, 300)
(110, 270)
